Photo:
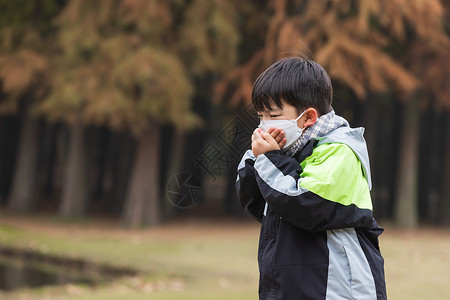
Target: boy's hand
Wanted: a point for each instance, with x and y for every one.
(263, 142)
(278, 135)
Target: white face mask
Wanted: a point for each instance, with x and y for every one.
(291, 131)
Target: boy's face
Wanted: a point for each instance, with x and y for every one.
(288, 112)
(275, 138)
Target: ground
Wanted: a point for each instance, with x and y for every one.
(205, 259)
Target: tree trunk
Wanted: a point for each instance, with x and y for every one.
(9, 141)
(370, 117)
(142, 204)
(175, 164)
(430, 163)
(123, 161)
(50, 160)
(406, 214)
(22, 197)
(75, 186)
(445, 194)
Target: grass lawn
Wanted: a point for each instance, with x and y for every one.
(205, 259)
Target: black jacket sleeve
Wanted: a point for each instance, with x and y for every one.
(248, 191)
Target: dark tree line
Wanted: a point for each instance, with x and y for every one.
(103, 103)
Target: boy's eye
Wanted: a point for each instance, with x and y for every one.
(272, 116)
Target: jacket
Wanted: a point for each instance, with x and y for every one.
(318, 237)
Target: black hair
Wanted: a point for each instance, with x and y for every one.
(299, 82)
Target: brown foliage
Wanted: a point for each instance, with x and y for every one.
(361, 43)
(124, 63)
(119, 63)
(20, 72)
(116, 67)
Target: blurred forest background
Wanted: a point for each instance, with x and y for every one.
(103, 103)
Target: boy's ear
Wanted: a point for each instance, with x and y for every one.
(311, 117)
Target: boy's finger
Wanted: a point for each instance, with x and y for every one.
(256, 133)
(257, 136)
(270, 130)
(268, 137)
(275, 132)
(272, 143)
(279, 136)
(282, 143)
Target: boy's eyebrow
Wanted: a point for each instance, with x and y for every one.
(275, 109)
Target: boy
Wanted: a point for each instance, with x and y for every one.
(307, 180)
